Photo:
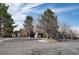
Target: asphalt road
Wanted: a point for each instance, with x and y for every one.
(35, 47)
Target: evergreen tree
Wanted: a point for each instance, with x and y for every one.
(28, 26)
(48, 23)
(6, 25)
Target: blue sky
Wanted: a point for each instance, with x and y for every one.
(66, 12)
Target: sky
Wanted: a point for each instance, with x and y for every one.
(66, 12)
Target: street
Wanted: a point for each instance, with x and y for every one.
(35, 47)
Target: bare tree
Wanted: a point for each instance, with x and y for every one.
(66, 30)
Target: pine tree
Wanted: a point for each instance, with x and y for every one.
(48, 23)
(28, 26)
(7, 22)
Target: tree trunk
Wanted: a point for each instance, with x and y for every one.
(29, 34)
(47, 36)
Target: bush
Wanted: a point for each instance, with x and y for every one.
(7, 35)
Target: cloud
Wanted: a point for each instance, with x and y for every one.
(17, 11)
(75, 29)
(65, 9)
(19, 17)
(29, 7)
(13, 7)
(59, 10)
(20, 25)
